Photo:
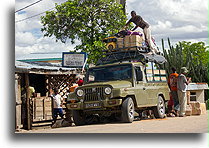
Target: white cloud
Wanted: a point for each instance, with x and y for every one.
(24, 39)
(161, 26)
(177, 19)
(38, 8)
(185, 10)
(43, 44)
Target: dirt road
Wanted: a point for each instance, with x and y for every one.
(189, 124)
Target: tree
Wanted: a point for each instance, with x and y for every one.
(88, 21)
(194, 56)
(198, 50)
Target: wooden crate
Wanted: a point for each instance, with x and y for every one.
(196, 110)
(42, 108)
(158, 75)
(133, 40)
(156, 71)
(203, 108)
(120, 42)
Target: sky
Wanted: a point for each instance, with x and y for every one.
(180, 20)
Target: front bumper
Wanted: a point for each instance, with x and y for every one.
(94, 104)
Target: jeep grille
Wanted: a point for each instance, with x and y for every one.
(94, 94)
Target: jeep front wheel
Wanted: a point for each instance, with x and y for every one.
(159, 110)
(128, 110)
(79, 117)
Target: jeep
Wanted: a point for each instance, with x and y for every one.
(119, 90)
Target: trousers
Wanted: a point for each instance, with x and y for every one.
(174, 95)
(182, 102)
(147, 34)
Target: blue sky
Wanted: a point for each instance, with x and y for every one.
(177, 19)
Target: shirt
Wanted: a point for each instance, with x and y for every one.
(80, 82)
(182, 83)
(137, 20)
(172, 81)
(31, 90)
(57, 100)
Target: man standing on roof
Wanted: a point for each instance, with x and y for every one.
(139, 22)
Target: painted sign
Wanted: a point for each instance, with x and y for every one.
(73, 59)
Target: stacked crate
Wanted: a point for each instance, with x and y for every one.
(198, 108)
(133, 40)
(129, 41)
(120, 42)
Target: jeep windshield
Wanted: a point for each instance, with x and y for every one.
(109, 73)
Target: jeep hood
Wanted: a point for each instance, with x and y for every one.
(114, 84)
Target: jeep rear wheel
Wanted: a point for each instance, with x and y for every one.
(128, 110)
(159, 110)
(79, 117)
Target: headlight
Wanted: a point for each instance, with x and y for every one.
(108, 90)
(80, 92)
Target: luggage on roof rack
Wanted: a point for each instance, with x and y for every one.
(137, 55)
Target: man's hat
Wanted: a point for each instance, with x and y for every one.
(184, 70)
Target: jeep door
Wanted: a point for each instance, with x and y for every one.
(140, 87)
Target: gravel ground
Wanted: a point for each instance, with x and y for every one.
(189, 124)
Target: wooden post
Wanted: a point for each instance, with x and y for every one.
(28, 114)
(160, 74)
(18, 103)
(153, 74)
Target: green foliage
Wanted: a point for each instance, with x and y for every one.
(198, 51)
(194, 56)
(87, 21)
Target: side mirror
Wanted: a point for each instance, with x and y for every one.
(139, 75)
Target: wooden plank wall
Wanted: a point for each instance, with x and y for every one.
(43, 106)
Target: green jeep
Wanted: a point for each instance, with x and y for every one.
(118, 90)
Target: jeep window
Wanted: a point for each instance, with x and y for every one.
(139, 74)
(109, 73)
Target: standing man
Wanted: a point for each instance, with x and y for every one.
(57, 105)
(172, 83)
(182, 87)
(139, 22)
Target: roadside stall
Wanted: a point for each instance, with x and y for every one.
(42, 75)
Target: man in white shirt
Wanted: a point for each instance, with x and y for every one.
(57, 105)
(182, 83)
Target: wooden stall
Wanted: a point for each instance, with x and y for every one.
(34, 110)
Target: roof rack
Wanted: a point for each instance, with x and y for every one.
(131, 54)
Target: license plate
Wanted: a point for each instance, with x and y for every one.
(91, 105)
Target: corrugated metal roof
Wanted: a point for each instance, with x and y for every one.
(41, 65)
(31, 63)
(197, 86)
(39, 56)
